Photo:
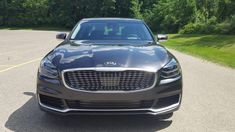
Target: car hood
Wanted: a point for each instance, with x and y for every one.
(77, 54)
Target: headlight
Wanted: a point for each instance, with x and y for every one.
(47, 69)
(171, 70)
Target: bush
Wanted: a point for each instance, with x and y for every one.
(208, 27)
(211, 27)
(227, 27)
(190, 28)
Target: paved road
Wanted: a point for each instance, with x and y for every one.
(208, 100)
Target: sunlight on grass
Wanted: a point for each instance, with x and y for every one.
(216, 48)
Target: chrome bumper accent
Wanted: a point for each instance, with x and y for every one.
(165, 81)
(150, 110)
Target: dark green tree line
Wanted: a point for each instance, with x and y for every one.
(169, 16)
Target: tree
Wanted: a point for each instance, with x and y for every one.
(169, 16)
(135, 9)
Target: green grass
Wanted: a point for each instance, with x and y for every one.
(216, 48)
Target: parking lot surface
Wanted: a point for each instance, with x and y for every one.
(208, 96)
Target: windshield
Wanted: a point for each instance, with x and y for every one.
(111, 31)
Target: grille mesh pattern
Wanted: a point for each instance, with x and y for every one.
(75, 104)
(90, 80)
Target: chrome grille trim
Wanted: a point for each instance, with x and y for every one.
(111, 69)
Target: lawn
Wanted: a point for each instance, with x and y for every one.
(216, 48)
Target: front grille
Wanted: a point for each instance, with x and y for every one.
(75, 104)
(91, 80)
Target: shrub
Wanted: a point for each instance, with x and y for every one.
(227, 27)
(208, 27)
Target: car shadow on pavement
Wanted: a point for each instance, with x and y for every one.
(30, 118)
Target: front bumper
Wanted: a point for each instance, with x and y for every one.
(165, 98)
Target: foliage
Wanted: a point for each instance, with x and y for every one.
(171, 15)
(201, 27)
(210, 27)
(166, 16)
(135, 9)
(227, 27)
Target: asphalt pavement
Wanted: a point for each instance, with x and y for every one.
(208, 95)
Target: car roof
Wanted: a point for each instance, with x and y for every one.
(112, 19)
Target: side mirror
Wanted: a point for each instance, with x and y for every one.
(162, 37)
(61, 35)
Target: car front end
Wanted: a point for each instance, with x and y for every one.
(90, 78)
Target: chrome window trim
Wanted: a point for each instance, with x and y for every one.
(152, 110)
(110, 69)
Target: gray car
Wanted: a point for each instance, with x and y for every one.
(109, 66)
